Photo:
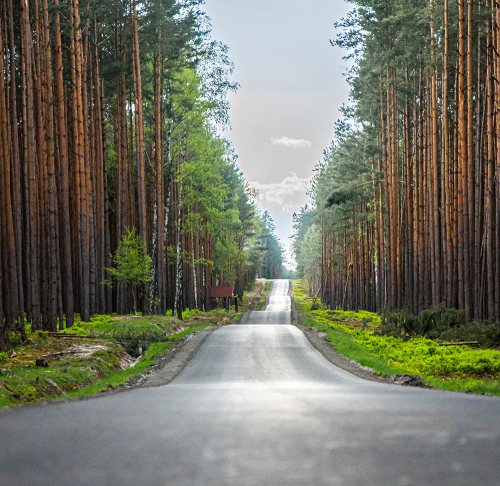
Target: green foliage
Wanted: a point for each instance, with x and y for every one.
(272, 263)
(441, 324)
(315, 305)
(215, 196)
(339, 336)
(354, 320)
(289, 273)
(69, 375)
(190, 313)
(13, 339)
(421, 356)
(458, 368)
(132, 263)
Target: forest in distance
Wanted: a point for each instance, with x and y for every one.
(405, 211)
(111, 115)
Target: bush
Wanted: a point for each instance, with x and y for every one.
(13, 339)
(422, 356)
(42, 334)
(136, 347)
(486, 333)
(440, 324)
(398, 324)
(315, 306)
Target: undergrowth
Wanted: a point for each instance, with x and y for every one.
(73, 374)
(362, 336)
(92, 356)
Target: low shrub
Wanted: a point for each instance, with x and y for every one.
(440, 324)
(421, 356)
(315, 305)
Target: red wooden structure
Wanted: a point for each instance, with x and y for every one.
(224, 292)
(218, 292)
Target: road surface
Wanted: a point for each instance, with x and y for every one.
(257, 406)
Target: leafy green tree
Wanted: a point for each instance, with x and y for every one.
(132, 263)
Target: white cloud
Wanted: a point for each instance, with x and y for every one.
(295, 143)
(289, 194)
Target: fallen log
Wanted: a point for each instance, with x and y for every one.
(62, 335)
(469, 343)
(43, 360)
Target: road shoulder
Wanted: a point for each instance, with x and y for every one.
(319, 343)
(171, 364)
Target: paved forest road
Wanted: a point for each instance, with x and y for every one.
(257, 406)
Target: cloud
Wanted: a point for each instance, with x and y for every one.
(296, 143)
(289, 194)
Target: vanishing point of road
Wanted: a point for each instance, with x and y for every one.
(257, 405)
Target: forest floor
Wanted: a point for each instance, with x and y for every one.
(416, 361)
(108, 353)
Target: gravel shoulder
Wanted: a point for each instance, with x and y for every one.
(171, 364)
(319, 343)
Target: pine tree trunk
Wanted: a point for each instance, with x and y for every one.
(489, 216)
(462, 157)
(436, 237)
(178, 301)
(30, 157)
(140, 148)
(16, 173)
(64, 207)
(7, 223)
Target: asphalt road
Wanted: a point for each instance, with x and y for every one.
(257, 406)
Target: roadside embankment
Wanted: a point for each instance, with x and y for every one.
(362, 348)
(106, 354)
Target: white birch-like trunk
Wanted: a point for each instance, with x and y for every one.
(178, 266)
(195, 284)
(153, 288)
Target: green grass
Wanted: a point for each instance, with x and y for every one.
(471, 385)
(343, 342)
(120, 377)
(263, 298)
(103, 325)
(69, 375)
(354, 335)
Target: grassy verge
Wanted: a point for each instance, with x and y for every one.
(354, 335)
(94, 356)
(263, 298)
(119, 377)
(251, 297)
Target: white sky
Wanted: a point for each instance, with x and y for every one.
(292, 85)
